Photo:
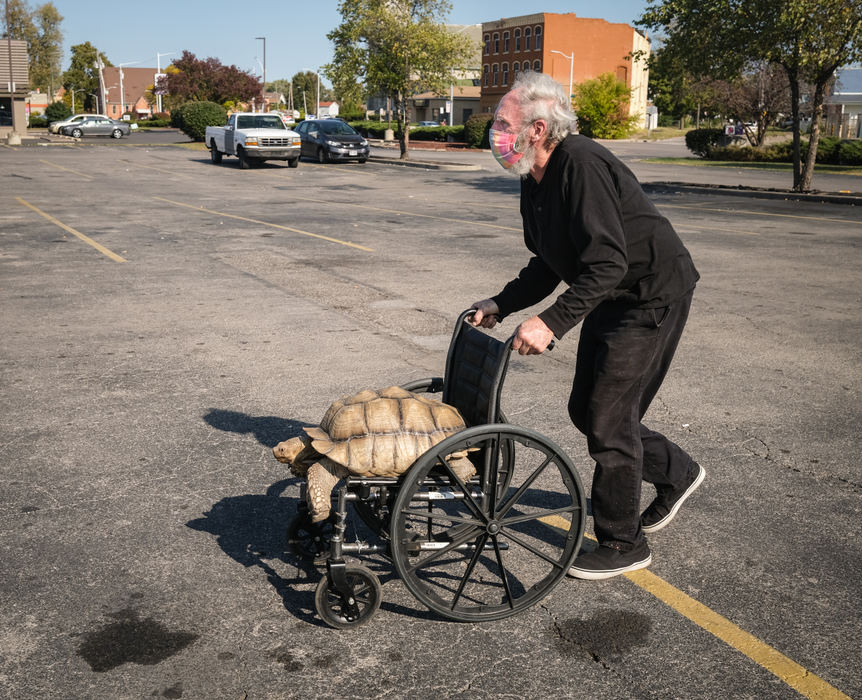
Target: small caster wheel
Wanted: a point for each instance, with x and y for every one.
(309, 540)
(341, 611)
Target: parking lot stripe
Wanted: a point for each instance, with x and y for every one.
(161, 170)
(98, 246)
(785, 669)
(265, 223)
(68, 170)
(410, 213)
(759, 213)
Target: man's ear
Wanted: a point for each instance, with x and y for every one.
(540, 130)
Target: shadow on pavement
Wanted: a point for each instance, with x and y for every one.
(268, 430)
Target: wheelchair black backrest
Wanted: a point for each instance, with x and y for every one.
(475, 368)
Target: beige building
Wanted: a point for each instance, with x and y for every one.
(569, 48)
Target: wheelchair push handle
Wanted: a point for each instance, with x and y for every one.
(466, 315)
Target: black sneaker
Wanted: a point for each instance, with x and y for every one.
(665, 506)
(605, 562)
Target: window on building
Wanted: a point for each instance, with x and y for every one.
(537, 66)
(538, 34)
(505, 42)
(496, 43)
(505, 74)
(527, 39)
(487, 44)
(518, 39)
(485, 76)
(516, 68)
(495, 69)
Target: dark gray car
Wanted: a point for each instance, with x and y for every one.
(97, 126)
(331, 140)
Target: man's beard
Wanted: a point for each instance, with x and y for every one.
(525, 163)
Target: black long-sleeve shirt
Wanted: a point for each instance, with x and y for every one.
(589, 223)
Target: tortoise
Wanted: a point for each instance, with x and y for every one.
(378, 432)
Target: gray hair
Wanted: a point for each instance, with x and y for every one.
(542, 97)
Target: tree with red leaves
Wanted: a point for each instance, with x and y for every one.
(190, 78)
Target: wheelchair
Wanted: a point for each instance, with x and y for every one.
(470, 551)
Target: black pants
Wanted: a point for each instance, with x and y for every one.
(623, 356)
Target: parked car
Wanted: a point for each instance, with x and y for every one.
(428, 124)
(97, 126)
(331, 140)
(54, 127)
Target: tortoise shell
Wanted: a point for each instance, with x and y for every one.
(382, 432)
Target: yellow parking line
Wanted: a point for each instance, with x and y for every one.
(759, 213)
(68, 170)
(785, 669)
(330, 202)
(161, 170)
(265, 223)
(98, 246)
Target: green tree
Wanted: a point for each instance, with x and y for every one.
(305, 91)
(40, 28)
(602, 106)
(82, 74)
(396, 48)
(809, 39)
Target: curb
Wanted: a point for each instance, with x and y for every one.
(852, 199)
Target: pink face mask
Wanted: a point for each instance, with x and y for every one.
(503, 147)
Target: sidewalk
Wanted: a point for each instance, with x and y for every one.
(654, 176)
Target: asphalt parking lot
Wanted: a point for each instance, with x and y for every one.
(166, 321)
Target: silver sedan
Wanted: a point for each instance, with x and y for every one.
(97, 126)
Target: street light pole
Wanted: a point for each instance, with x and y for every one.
(571, 58)
(158, 72)
(122, 93)
(263, 88)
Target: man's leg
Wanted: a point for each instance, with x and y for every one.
(623, 355)
(665, 464)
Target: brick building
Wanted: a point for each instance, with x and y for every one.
(128, 93)
(537, 41)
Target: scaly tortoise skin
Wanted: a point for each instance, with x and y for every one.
(372, 433)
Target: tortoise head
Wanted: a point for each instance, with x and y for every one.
(296, 452)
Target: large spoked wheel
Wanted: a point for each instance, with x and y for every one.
(77, 133)
(341, 609)
(308, 540)
(471, 553)
(322, 157)
(116, 134)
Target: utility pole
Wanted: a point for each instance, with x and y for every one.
(122, 93)
(263, 87)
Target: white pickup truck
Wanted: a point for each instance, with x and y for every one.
(253, 138)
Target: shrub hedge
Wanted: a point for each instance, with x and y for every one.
(830, 150)
(476, 130)
(57, 111)
(193, 118)
(702, 141)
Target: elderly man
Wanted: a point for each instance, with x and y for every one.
(629, 279)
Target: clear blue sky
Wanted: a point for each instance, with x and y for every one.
(295, 31)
